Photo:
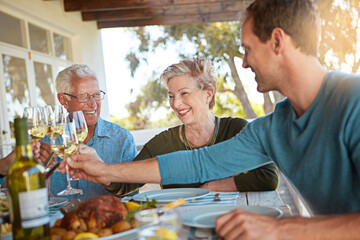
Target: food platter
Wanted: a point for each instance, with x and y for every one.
(126, 235)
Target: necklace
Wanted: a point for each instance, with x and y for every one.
(209, 143)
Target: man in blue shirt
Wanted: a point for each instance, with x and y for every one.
(78, 90)
(313, 135)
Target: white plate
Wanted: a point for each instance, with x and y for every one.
(204, 217)
(127, 235)
(171, 194)
(56, 201)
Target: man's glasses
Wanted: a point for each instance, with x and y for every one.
(83, 98)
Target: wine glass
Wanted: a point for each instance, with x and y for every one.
(80, 124)
(56, 120)
(81, 129)
(64, 149)
(37, 122)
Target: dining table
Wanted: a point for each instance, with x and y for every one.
(283, 199)
(269, 199)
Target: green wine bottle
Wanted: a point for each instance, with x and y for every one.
(29, 206)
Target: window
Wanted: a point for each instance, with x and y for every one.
(62, 47)
(11, 30)
(17, 93)
(39, 39)
(30, 59)
(45, 87)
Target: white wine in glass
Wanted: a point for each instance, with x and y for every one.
(80, 124)
(68, 148)
(56, 119)
(37, 122)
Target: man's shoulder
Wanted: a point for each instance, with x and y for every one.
(112, 128)
(343, 85)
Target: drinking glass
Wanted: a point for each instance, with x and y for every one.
(80, 124)
(56, 119)
(56, 115)
(64, 148)
(158, 224)
(37, 122)
(81, 129)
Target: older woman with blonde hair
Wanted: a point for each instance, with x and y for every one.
(192, 88)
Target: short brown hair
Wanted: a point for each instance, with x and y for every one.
(298, 18)
(200, 69)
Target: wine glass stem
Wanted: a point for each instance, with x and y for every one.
(67, 176)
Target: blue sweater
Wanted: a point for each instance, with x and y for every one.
(319, 152)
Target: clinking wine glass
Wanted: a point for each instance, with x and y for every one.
(56, 119)
(37, 122)
(56, 115)
(65, 148)
(80, 124)
(81, 128)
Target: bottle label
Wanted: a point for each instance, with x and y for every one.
(34, 208)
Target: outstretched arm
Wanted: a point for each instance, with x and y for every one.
(240, 224)
(88, 165)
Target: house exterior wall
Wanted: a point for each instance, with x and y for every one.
(85, 37)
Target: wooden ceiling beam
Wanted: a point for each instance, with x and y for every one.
(226, 16)
(89, 5)
(170, 11)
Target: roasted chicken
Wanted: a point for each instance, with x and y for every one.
(95, 214)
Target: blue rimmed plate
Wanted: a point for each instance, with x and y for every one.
(204, 217)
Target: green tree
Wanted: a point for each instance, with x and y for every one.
(339, 46)
(219, 42)
(153, 96)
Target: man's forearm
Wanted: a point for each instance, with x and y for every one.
(341, 227)
(145, 171)
(222, 185)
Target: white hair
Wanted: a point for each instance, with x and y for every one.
(64, 77)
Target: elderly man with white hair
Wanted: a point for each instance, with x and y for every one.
(78, 90)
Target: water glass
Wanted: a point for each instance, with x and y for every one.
(158, 224)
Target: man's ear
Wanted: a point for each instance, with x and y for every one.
(62, 99)
(278, 40)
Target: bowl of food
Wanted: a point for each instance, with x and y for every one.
(103, 217)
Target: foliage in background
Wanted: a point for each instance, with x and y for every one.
(340, 44)
(339, 48)
(220, 42)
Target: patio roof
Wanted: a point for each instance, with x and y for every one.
(130, 13)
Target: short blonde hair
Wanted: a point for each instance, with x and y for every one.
(200, 69)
